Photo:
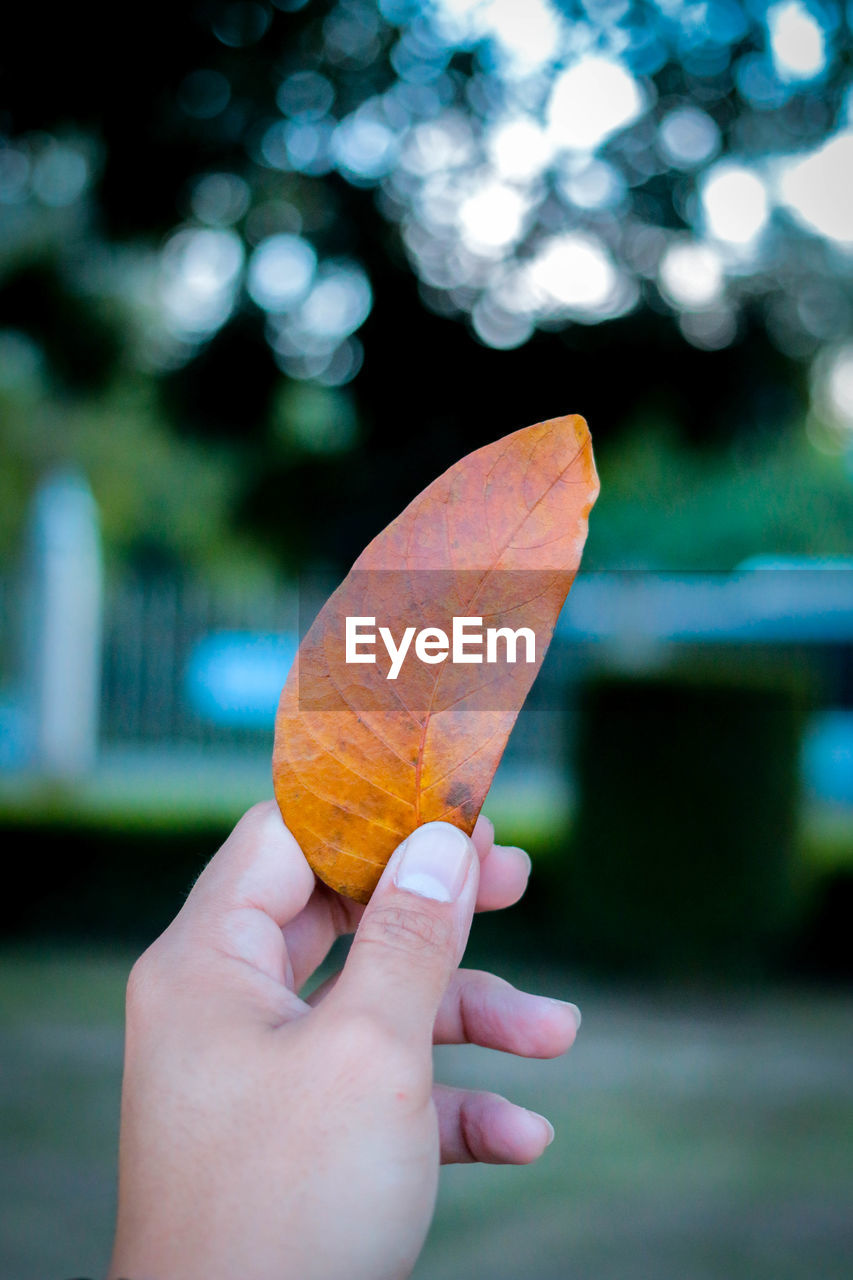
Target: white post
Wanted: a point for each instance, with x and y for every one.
(65, 587)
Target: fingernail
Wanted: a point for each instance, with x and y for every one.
(434, 862)
(546, 1122)
(565, 1004)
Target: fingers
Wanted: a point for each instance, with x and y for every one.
(259, 866)
(485, 1127)
(310, 936)
(258, 881)
(413, 932)
(504, 872)
(481, 1008)
(483, 835)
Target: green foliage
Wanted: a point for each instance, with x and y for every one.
(160, 496)
(370, 135)
(686, 834)
(311, 419)
(665, 505)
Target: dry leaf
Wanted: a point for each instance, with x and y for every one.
(360, 759)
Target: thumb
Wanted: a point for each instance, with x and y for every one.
(413, 931)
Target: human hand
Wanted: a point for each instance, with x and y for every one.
(267, 1137)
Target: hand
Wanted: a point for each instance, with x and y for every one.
(267, 1137)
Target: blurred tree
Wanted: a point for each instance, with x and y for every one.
(778, 496)
(457, 215)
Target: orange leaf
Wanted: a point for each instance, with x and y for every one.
(361, 759)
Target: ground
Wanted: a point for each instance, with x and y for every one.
(698, 1137)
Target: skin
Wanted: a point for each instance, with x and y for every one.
(269, 1137)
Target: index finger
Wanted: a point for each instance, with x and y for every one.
(504, 872)
(260, 867)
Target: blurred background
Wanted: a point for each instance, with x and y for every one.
(267, 268)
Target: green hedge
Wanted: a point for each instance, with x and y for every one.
(78, 881)
(686, 833)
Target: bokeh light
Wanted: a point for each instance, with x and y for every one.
(574, 273)
(592, 184)
(538, 167)
(833, 387)
(220, 199)
(60, 174)
(523, 37)
(840, 386)
(519, 148)
(560, 128)
(691, 274)
(688, 137)
(199, 275)
(491, 218)
(338, 303)
(14, 174)
(818, 189)
(364, 145)
(592, 100)
(314, 339)
(305, 95)
(735, 204)
(239, 23)
(797, 41)
(281, 270)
